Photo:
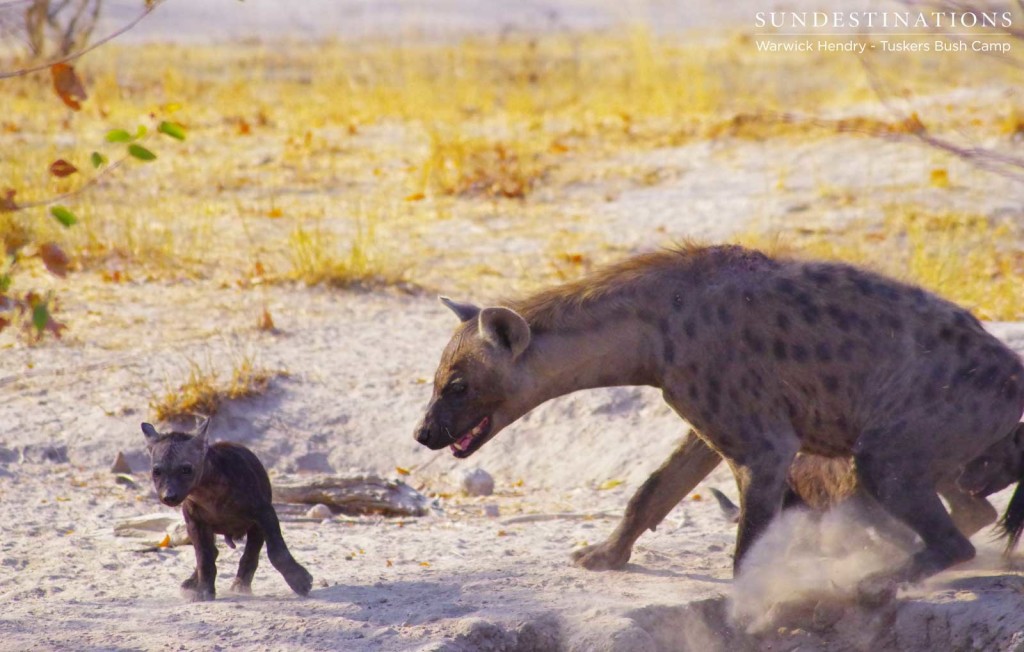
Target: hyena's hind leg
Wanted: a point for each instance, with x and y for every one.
(297, 577)
(250, 560)
(911, 497)
(690, 463)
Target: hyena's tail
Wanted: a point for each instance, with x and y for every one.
(1011, 526)
(791, 499)
(729, 508)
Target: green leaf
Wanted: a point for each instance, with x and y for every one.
(5, 283)
(40, 316)
(98, 159)
(140, 132)
(119, 136)
(63, 215)
(172, 129)
(141, 153)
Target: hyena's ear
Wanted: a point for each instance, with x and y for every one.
(200, 436)
(151, 434)
(505, 328)
(464, 311)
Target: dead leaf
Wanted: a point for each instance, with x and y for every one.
(912, 124)
(4, 323)
(55, 327)
(165, 542)
(390, 563)
(939, 178)
(416, 196)
(7, 203)
(401, 470)
(61, 168)
(424, 563)
(696, 497)
(266, 322)
(609, 484)
(67, 85)
(54, 258)
(275, 212)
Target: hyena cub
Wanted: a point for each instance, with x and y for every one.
(222, 489)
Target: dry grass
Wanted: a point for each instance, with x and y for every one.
(203, 391)
(318, 258)
(290, 149)
(972, 260)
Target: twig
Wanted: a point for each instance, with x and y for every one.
(71, 193)
(560, 516)
(1005, 165)
(74, 55)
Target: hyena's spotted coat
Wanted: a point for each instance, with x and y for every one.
(764, 357)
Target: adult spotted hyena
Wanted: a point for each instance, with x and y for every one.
(764, 357)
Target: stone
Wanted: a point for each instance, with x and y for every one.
(477, 482)
(319, 511)
(120, 465)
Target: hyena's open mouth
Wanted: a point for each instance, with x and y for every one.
(472, 440)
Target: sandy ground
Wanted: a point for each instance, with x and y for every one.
(358, 367)
(455, 580)
(199, 20)
(356, 370)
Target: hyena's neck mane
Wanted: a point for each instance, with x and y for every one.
(623, 290)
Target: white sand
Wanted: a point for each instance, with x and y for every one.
(359, 367)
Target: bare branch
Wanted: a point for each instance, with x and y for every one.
(1005, 165)
(77, 191)
(74, 55)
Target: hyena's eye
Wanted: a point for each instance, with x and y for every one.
(456, 387)
(186, 470)
(157, 473)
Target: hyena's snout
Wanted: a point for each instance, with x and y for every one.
(431, 433)
(422, 434)
(171, 498)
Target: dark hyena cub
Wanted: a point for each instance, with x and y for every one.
(222, 489)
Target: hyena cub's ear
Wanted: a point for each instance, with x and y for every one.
(464, 311)
(151, 434)
(505, 328)
(200, 436)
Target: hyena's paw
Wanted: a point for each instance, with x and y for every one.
(877, 590)
(601, 556)
(241, 587)
(198, 594)
(191, 583)
(299, 579)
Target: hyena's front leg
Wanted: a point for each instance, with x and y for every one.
(761, 467)
(298, 578)
(200, 586)
(250, 560)
(690, 463)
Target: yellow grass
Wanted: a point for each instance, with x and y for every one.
(341, 163)
(970, 259)
(203, 392)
